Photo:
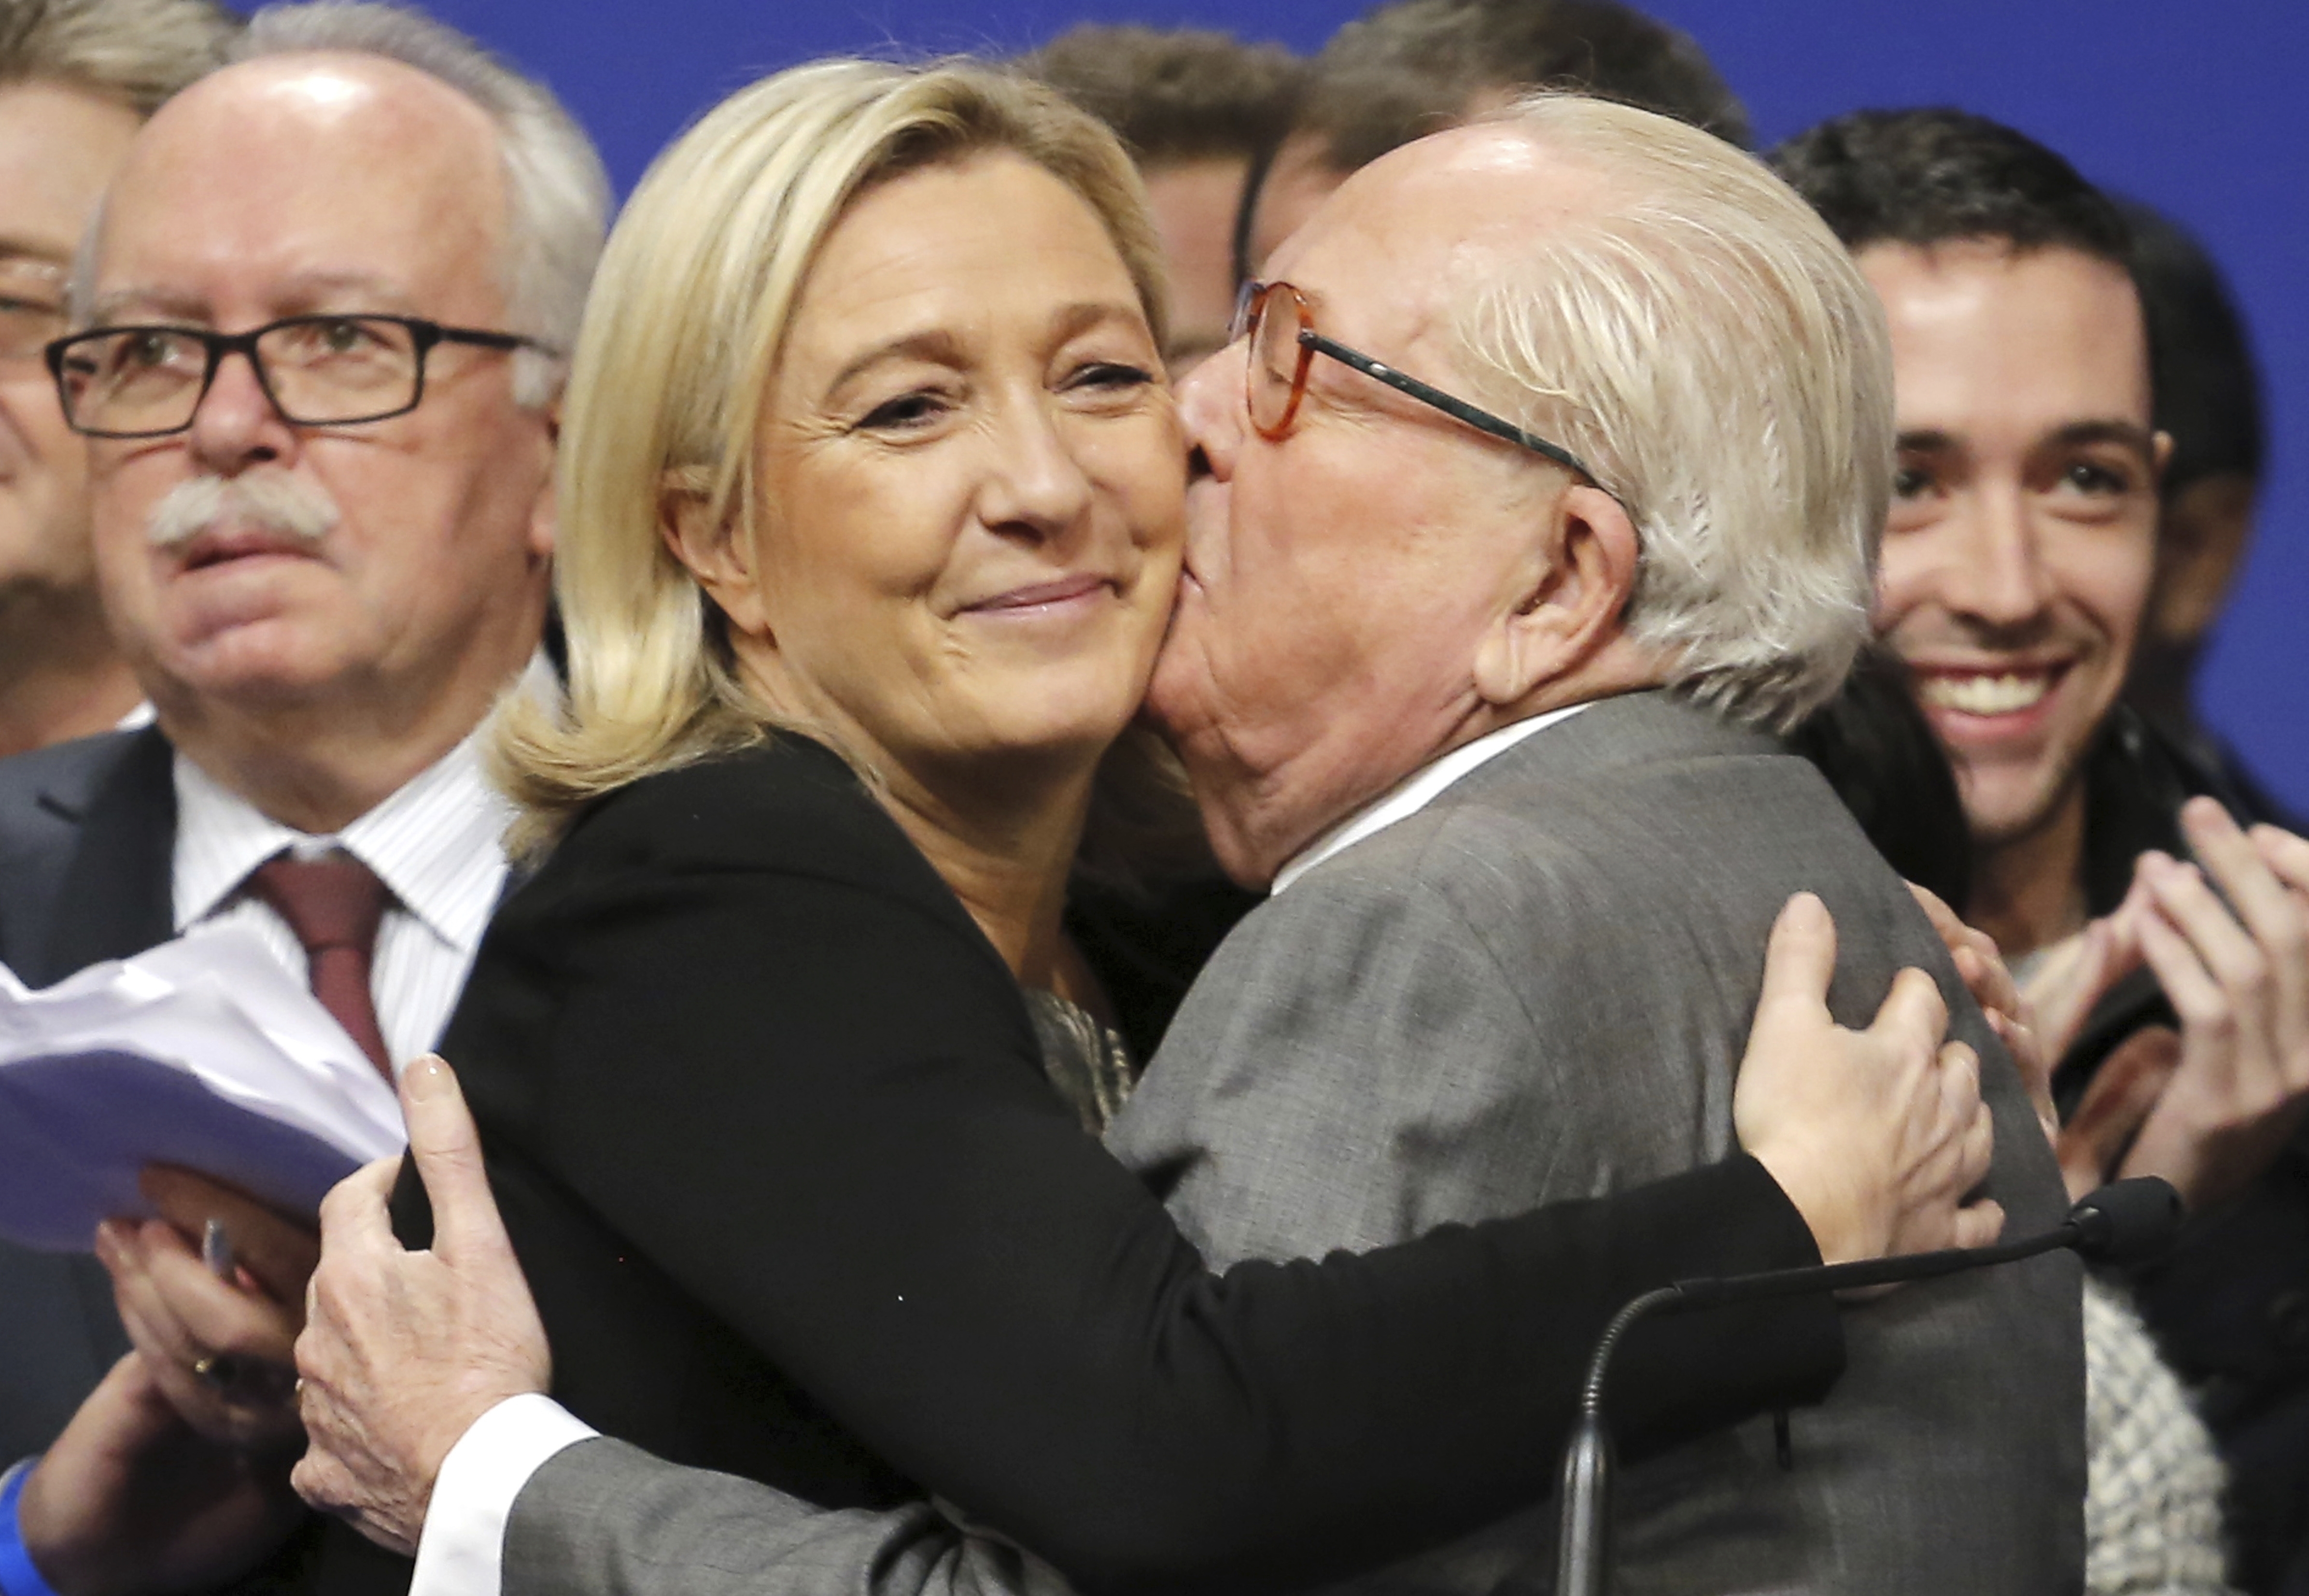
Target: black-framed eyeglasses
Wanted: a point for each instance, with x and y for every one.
(1284, 343)
(315, 370)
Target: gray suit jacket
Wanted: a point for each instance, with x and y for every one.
(1540, 987)
(1537, 988)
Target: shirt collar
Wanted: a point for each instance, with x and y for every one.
(425, 841)
(1415, 792)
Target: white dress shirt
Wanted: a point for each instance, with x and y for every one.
(460, 1552)
(436, 844)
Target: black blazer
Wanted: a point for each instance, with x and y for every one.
(88, 832)
(764, 1111)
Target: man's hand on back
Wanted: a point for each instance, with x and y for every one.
(404, 1351)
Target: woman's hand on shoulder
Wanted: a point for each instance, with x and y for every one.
(1876, 1135)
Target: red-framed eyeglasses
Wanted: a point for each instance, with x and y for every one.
(1284, 343)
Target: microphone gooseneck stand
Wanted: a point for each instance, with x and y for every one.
(2124, 1222)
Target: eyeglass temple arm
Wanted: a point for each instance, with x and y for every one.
(1483, 421)
(472, 335)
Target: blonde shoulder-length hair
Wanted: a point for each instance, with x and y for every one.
(688, 318)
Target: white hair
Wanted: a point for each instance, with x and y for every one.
(557, 194)
(1701, 341)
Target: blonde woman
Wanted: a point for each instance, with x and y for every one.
(871, 517)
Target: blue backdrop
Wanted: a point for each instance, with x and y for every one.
(2201, 109)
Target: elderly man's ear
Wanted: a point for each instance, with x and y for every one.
(1568, 600)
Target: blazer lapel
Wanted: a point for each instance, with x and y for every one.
(117, 895)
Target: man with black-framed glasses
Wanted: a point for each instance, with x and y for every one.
(315, 357)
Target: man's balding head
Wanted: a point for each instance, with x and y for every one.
(262, 153)
(1384, 582)
(284, 589)
(556, 193)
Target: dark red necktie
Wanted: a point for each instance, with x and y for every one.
(333, 905)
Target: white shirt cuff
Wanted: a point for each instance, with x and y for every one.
(462, 1549)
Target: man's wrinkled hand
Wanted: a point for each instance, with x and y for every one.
(402, 1350)
(1877, 1135)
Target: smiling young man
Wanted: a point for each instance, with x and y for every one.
(2018, 553)
(2018, 564)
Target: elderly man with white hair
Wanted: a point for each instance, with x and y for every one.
(1471, 674)
(1551, 461)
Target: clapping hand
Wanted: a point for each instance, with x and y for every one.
(2207, 1105)
(2236, 966)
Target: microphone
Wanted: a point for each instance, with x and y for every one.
(2125, 1222)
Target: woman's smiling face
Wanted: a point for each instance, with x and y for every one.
(971, 481)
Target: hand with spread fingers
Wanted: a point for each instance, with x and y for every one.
(2229, 941)
(402, 1350)
(1877, 1136)
(219, 1350)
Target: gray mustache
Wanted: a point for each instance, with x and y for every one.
(274, 502)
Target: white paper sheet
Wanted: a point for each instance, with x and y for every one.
(203, 1052)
